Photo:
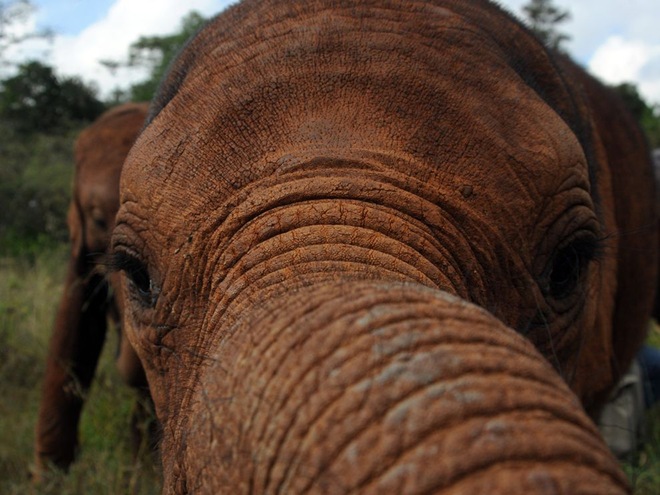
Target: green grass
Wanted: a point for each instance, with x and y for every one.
(29, 294)
(644, 472)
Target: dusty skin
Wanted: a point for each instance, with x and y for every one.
(384, 247)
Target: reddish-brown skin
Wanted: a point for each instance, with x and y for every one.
(87, 301)
(376, 247)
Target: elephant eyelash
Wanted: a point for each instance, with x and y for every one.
(569, 265)
(140, 281)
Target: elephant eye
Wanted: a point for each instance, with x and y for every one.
(568, 267)
(140, 283)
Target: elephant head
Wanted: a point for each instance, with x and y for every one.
(376, 247)
(86, 303)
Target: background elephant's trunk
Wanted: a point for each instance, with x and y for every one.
(372, 387)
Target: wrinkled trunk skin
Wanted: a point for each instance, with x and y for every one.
(370, 387)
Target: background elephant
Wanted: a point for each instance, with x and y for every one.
(88, 301)
(384, 247)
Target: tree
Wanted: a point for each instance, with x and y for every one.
(543, 19)
(632, 98)
(13, 13)
(36, 100)
(155, 53)
(647, 115)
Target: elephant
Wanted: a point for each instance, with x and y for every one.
(383, 246)
(88, 301)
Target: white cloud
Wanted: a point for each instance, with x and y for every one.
(110, 37)
(620, 60)
(617, 40)
(18, 29)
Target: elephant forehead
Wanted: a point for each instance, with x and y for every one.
(455, 113)
(435, 96)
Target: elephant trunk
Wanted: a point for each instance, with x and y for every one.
(381, 387)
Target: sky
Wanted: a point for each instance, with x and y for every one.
(617, 40)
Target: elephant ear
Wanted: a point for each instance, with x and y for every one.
(75, 216)
(656, 170)
(635, 232)
(622, 188)
(76, 228)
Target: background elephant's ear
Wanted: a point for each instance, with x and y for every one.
(635, 225)
(76, 226)
(656, 172)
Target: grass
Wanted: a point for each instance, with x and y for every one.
(29, 293)
(644, 472)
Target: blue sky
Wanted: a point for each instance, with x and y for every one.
(70, 16)
(618, 40)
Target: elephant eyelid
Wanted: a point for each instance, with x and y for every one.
(117, 261)
(141, 283)
(569, 264)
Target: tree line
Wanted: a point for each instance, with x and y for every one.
(545, 19)
(41, 113)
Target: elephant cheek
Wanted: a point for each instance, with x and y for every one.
(387, 388)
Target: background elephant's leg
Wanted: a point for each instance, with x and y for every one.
(73, 353)
(145, 430)
(144, 427)
(128, 364)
